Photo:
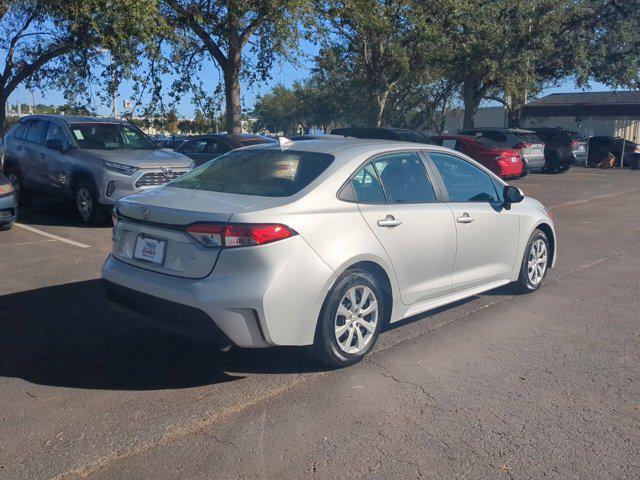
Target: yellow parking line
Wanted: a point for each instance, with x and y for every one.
(51, 235)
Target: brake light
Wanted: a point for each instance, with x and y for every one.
(636, 149)
(238, 234)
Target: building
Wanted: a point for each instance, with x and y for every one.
(614, 114)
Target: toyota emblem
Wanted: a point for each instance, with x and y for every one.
(144, 213)
(167, 172)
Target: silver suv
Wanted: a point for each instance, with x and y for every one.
(94, 161)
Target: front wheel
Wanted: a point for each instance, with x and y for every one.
(86, 202)
(351, 319)
(535, 263)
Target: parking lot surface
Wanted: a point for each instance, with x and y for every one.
(498, 386)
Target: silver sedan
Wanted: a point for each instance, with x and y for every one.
(322, 243)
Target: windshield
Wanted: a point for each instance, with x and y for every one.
(110, 136)
(269, 173)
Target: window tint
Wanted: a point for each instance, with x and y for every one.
(404, 178)
(529, 138)
(367, 186)
(110, 136)
(55, 132)
(464, 182)
(187, 147)
(270, 173)
(20, 129)
(37, 129)
(216, 147)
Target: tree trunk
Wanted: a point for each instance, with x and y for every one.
(232, 95)
(376, 108)
(472, 93)
(3, 118)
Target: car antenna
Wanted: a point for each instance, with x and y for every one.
(284, 142)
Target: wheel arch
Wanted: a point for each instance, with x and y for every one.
(79, 174)
(550, 233)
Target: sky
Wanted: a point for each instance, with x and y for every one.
(283, 72)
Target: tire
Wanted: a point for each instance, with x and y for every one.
(87, 206)
(341, 349)
(5, 226)
(14, 175)
(527, 281)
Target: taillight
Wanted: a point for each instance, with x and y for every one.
(238, 234)
(636, 149)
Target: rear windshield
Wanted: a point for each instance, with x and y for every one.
(528, 137)
(110, 136)
(268, 173)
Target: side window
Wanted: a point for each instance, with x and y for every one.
(404, 178)
(367, 186)
(200, 146)
(37, 130)
(449, 143)
(188, 147)
(216, 147)
(20, 129)
(55, 132)
(464, 182)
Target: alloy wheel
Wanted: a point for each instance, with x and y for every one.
(356, 319)
(537, 262)
(84, 202)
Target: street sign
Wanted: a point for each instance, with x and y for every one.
(127, 104)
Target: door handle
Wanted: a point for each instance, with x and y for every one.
(465, 218)
(389, 221)
(18, 148)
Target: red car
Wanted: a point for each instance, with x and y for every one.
(504, 162)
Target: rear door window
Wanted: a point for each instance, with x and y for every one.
(269, 173)
(20, 130)
(404, 178)
(464, 182)
(36, 131)
(367, 186)
(529, 137)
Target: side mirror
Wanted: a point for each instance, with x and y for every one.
(56, 144)
(512, 195)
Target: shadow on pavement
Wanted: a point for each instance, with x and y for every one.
(50, 212)
(68, 336)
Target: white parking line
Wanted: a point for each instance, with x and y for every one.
(51, 235)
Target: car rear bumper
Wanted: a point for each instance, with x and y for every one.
(8, 209)
(257, 296)
(535, 163)
(509, 171)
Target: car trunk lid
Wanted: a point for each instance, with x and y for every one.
(150, 231)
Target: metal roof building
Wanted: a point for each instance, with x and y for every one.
(615, 114)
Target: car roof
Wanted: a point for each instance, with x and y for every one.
(501, 130)
(75, 119)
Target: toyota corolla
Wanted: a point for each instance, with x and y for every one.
(322, 243)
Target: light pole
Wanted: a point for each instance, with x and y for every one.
(113, 82)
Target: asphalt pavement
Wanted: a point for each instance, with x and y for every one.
(498, 386)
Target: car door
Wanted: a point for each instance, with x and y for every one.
(397, 199)
(33, 152)
(55, 166)
(487, 233)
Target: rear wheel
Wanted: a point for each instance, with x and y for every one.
(351, 319)
(535, 263)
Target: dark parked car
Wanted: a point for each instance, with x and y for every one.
(504, 162)
(601, 147)
(562, 149)
(8, 203)
(530, 146)
(206, 147)
(400, 134)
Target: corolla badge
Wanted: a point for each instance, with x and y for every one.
(144, 213)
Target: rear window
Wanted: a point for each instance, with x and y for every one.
(529, 137)
(268, 173)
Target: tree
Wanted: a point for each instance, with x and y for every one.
(223, 29)
(374, 45)
(44, 42)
